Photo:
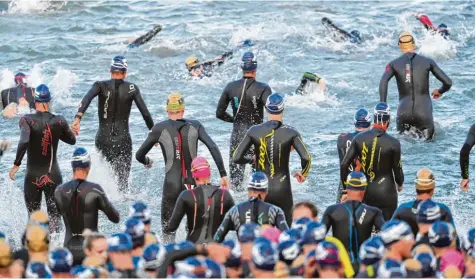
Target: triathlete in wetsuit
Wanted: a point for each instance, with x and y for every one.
(380, 159)
(352, 221)
(247, 97)
(21, 93)
(309, 80)
(40, 134)
(79, 202)
(362, 122)
(205, 69)
(273, 142)
(442, 29)
(464, 158)
(340, 34)
(205, 205)
(412, 72)
(178, 139)
(255, 210)
(425, 188)
(114, 108)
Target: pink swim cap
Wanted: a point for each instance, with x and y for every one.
(452, 258)
(200, 168)
(272, 234)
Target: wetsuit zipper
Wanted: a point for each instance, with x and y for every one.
(413, 88)
(116, 92)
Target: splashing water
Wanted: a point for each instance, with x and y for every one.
(28, 6)
(61, 85)
(435, 46)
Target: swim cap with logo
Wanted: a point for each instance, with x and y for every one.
(175, 102)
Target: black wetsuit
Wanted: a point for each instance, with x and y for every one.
(407, 212)
(254, 210)
(340, 34)
(205, 206)
(412, 72)
(247, 104)
(343, 144)
(179, 142)
(79, 202)
(464, 153)
(352, 223)
(12, 95)
(380, 159)
(40, 134)
(114, 108)
(272, 141)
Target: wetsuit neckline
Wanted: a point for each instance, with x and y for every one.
(379, 131)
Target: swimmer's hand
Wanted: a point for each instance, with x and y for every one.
(224, 182)
(76, 126)
(436, 94)
(344, 196)
(300, 178)
(10, 111)
(464, 184)
(400, 188)
(13, 171)
(149, 164)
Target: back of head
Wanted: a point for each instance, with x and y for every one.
(425, 180)
(362, 118)
(428, 263)
(413, 268)
(258, 182)
(356, 181)
(441, 234)
(381, 113)
(20, 78)
(38, 270)
(191, 62)
(275, 104)
(60, 260)
(249, 63)
(37, 239)
(264, 256)
(39, 218)
(452, 258)
(234, 260)
(81, 159)
(371, 251)
(119, 242)
(288, 251)
(406, 42)
(152, 257)
(200, 168)
(291, 234)
(136, 229)
(327, 255)
(452, 272)
(428, 212)
(300, 223)
(314, 233)
(214, 269)
(391, 269)
(42, 94)
(248, 232)
(119, 64)
(140, 211)
(5, 255)
(175, 102)
(394, 231)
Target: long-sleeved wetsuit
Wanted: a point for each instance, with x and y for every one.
(272, 141)
(79, 202)
(412, 72)
(178, 140)
(464, 153)
(115, 99)
(40, 134)
(340, 34)
(380, 159)
(247, 97)
(254, 210)
(205, 207)
(12, 95)
(343, 144)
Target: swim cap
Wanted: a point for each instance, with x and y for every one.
(356, 181)
(428, 264)
(38, 270)
(5, 255)
(405, 40)
(191, 265)
(391, 269)
(135, 228)
(371, 251)
(314, 233)
(413, 268)
(81, 159)
(442, 26)
(271, 233)
(275, 104)
(290, 234)
(258, 182)
(421, 248)
(467, 242)
(60, 260)
(452, 258)
(214, 269)
(288, 251)
(234, 260)
(394, 231)
(39, 218)
(425, 180)
(150, 238)
(327, 255)
(119, 242)
(42, 94)
(428, 212)
(191, 62)
(362, 119)
(249, 62)
(119, 64)
(248, 232)
(300, 223)
(19, 78)
(85, 272)
(175, 102)
(200, 168)
(441, 234)
(355, 33)
(381, 113)
(152, 257)
(37, 239)
(264, 256)
(140, 211)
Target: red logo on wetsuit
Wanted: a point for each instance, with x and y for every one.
(46, 141)
(387, 68)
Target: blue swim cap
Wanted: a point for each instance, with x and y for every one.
(189, 265)
(152, 257)
(81, 271)
(60, 260)
(301, 223)
(42, 94)
(214, 269)
(249, 62)
(381, 113)
(362, 119)
(356, 181)
(371, 251)
(467, 242)
(327, 255)
(355, 33)
(234, 260)
(391, 269)
(314, 233)
(135, 228)
(441, 234)
(428, 212)
(394, 231)
(290, 234)
(140, 211)
(258, 182)
(19, 78)
(119, 64)
(81, 159)
(442, 26)
(275, 104)
(428, 264)
(38, 270)
(248, 232)
(119, 242)
(288, 251)
(264, 256)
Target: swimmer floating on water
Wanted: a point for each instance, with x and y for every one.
(442, 29)
(340, 34)
(307, 81)
(20, 96)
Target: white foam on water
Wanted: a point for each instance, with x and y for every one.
(435, 46)
(102, 174)
(28, 6)
(61, 86)
(6, 80)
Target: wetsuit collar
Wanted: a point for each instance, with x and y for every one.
(380, 127)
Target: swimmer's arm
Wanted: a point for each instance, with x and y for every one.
(397, 164)
(326, 220)
(87, 99)
(213, 148)
(348, 158)
(143, 108)
(383, 87)
(396, 214)
(2, 105)
(301, 149)
(106, 206)
(68, 135)
(225, 226)
(280, 220)
(222, 106)
(177, 215)
(239, 155)
(441, 76)
(229, 202)
(464, 153)
(379, 221)
(24, 142)
(152, 138)
(340, 150)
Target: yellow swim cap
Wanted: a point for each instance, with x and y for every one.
(5, 255)
(175, 102)
(406, 40)
(150, 238)
(38, 218)
(191, 61)
(37, 239)
(425, 180)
